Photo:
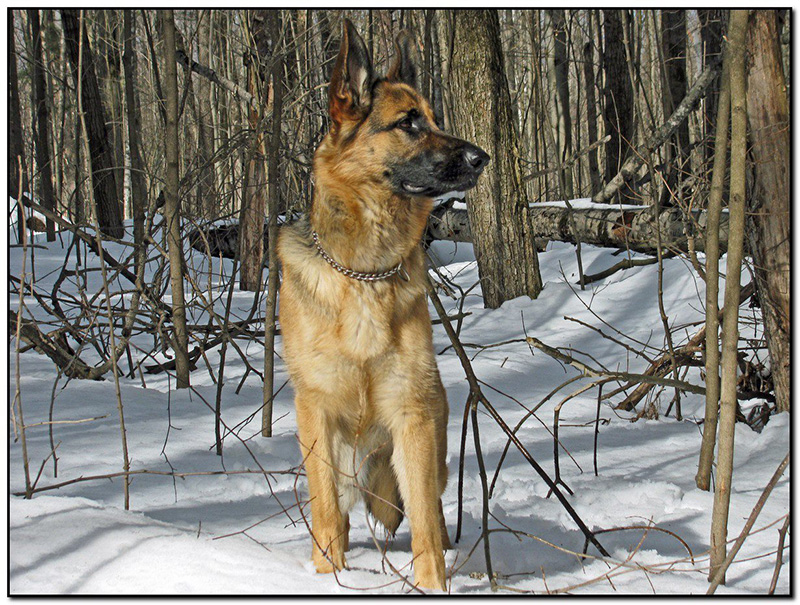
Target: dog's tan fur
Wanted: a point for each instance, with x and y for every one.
(371, 408)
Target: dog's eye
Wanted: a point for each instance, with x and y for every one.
(406, 124)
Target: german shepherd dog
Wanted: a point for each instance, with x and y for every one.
(371, 408)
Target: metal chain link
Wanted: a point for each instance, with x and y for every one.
(368, 277)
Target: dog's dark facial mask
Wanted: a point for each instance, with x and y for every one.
(444, 164)
(439, 162)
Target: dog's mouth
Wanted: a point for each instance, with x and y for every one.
(431, 190)
(415, 189)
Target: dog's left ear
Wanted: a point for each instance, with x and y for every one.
(404, 66)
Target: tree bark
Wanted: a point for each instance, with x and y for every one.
(730, 322)
(207, 202)
(506, 255)
(138, 182)
(17, 170)
(673, 48)
(703, 477)
(591, 112)
(273, 19)
(254, 203)
(768, 208)
(172, 214)
(618, 95)
(101, 153)
(561, 77)
(42, 124)
(109, 58)
(711, 28)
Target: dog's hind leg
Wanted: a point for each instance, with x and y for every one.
(328, 525)
(382, 493)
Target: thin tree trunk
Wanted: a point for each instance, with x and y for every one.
(561, 73)
(507, 260)
(272, 229)
(207, 203)
(107, 202)
(172, 213)
(42, 124)
(768, 209)
(673, 44)
(254, 204)
(17, 170)
(138, 182)
(711, 36)
(591, 113)
(730, 322)
(703, 478)
(618, 93)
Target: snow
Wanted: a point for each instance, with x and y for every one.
(214, 533)
(586, 203)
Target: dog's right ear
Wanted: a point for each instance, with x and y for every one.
(349, 92)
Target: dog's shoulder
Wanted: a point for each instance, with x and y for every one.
(295, 244)
(304, 271)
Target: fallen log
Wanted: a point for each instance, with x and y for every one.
(607, 227)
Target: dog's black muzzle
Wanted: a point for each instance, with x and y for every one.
(453, 165)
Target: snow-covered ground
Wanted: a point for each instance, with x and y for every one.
(241, 533)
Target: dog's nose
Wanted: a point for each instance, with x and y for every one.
(476, 157)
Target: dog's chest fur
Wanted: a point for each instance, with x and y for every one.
(356, 321)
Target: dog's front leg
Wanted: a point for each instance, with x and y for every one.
(328, 526)
(415, 461)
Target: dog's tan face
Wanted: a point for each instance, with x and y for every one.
(400, 147)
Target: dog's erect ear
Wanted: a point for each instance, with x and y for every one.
(404, 66)
(349, 92)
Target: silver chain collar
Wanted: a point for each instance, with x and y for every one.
(368, 277)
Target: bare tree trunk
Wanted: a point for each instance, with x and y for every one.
(42, 124)
(673, 44)
(618, 93)
(254, 204)
(107, 202)
(703, 477)
(172, 213)
(207, 202)
(17, 171)
(272, 229)
(427, 55)
(768, 209)
(507, 260)
(561, 67)
(711, 36)
(138, 183)
(591, 112)
(108, 51)
(730, 322)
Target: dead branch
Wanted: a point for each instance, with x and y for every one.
(684, 355)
